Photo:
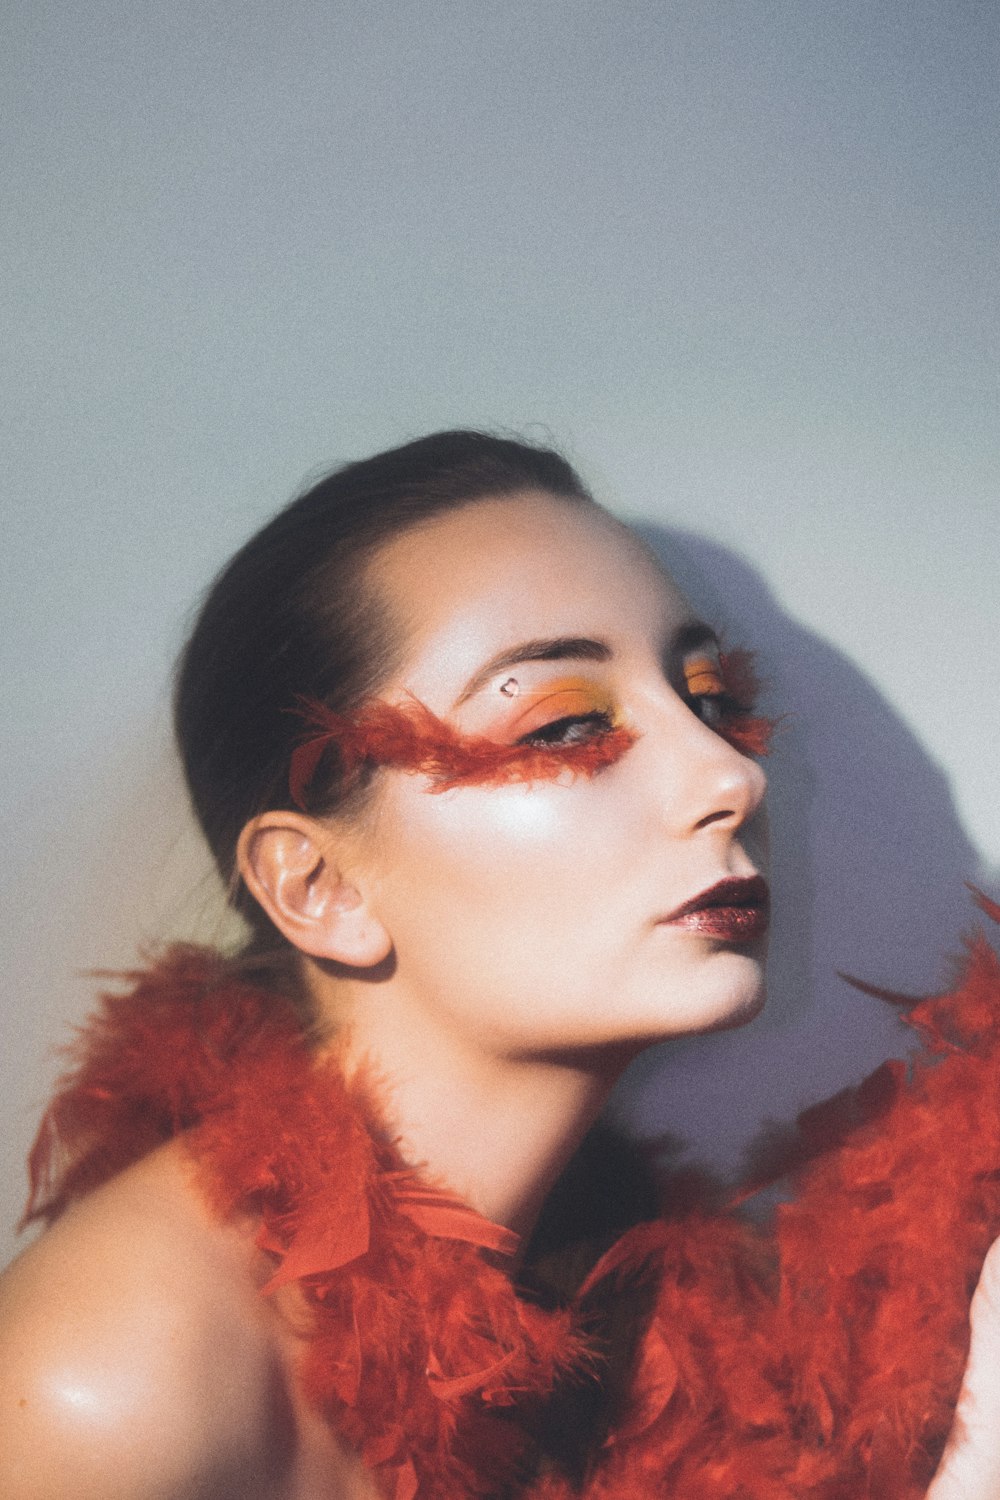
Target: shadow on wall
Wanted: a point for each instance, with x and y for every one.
(869, 862)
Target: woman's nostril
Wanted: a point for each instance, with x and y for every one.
(723, 815)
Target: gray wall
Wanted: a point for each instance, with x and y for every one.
(739, 258)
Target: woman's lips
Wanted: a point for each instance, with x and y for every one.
(735, 911)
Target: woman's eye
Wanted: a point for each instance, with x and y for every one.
(714, 709)
(706, 690)
(720, 689)
(571, 729)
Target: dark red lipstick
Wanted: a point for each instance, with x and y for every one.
(734, 911)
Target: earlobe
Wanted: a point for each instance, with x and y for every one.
(289, 865)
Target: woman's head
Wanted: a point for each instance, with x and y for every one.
(294, 616)
(544, 912)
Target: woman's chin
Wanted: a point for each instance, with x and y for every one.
(722, 1001)
(745, 1009)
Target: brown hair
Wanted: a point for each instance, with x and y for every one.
(291, 617)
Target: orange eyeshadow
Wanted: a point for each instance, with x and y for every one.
(703, 674)
(566, 698)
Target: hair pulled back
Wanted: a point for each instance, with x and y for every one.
(291, 616)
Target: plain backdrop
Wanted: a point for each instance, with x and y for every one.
(739, 258)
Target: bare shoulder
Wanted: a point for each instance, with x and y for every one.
(136, 1359)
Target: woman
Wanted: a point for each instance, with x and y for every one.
(478, 780)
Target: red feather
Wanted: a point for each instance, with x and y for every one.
(745, 729)
(820, 1361)
(412, 738)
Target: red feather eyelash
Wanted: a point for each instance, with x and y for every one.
(745, 730)
(410, 737)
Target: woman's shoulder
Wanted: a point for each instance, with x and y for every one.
(138, 1358)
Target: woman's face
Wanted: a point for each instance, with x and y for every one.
(543, 916)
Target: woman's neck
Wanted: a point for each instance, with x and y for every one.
(496, 1130)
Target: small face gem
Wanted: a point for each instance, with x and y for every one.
(510, 688)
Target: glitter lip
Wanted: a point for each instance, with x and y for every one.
(734, 911)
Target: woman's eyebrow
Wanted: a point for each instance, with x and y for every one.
(558, 648)
(576, 648)
(694, 633)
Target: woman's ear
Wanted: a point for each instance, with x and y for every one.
(290, 866)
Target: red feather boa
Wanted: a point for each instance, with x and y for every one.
(817, 1361)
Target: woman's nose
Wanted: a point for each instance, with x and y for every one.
(714, 785)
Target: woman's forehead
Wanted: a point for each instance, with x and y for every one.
(469, 584)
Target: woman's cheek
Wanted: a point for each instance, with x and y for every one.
(531, 833)
(514, 824)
